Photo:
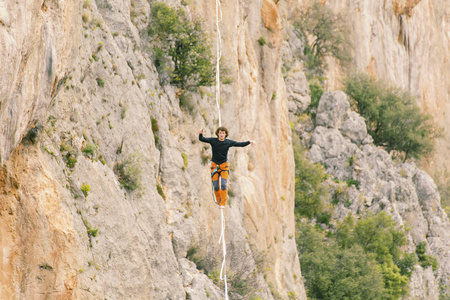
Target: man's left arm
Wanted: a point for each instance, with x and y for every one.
(241, 144)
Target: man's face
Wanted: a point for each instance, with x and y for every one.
(222, 134)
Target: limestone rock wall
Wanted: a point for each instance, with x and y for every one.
(38, 42)
(405, 43)
(81, 74)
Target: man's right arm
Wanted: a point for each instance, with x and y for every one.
(202, 138)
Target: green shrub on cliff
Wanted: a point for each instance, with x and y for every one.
(326, 33)
(129, 172)
(309, 187)
(392, 117)
(425, 259)
(181, 50)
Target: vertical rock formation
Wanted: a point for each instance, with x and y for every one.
(401, 189)
(81, 75)
(407, 44)
(39, 40)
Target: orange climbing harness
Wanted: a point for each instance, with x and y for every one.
(219, 178)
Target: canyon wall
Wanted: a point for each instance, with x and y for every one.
(78, 76)
(406, 43)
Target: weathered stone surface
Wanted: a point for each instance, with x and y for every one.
(406, 44)
(83, 70)
(297, 90)
(354, 128)
(38, 42)
(332, 109)
(401, 189)
(112, 98)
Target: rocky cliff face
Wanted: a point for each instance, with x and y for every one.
(401, 189)
(39, 41)
(407, 44)
(80, 74)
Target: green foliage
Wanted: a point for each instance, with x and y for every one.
(407, 263)
(262, 41)
(92, 232)
(324, 218)
(328, 33)
(90, 149)
(377, 234)
(186, 102)
(184, 42)
(351, 160)
(155, 129)
(214, 275)
(129, 172)
(32, 135)
(102, 160)
(199, 260)
(100, 82)
(85, 17)
(428, 260)
(392, 117)
(308, 238)
(160, 191)
(395, 283)
(239, 284)
(309, 187)
(85, 188)
(71, 159)
(291, 295)
(444, 291)
(316, 89)
(425, 259)
(316, 92)
(185, 161)
(351, 182)
(332, 272)
(421, 248)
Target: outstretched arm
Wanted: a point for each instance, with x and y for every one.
(202, 138)
(242, 144)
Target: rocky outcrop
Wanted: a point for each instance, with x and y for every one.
(406, 44)
(401, 189)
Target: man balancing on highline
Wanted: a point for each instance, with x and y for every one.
(219, 162)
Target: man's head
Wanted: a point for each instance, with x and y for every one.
(222, 129)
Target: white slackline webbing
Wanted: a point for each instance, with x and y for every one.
(223, 270)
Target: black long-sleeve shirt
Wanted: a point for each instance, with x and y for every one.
(220, 148)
